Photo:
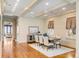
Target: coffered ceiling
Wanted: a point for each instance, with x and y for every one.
(38, 8)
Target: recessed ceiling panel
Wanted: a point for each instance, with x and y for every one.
(19, 8)
(39, 8)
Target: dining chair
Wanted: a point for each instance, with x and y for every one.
(47, 43)
(37, 40)
(41, 42)
(57, 42)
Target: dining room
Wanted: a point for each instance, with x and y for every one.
(38, 28)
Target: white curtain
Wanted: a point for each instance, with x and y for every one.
(50, 32)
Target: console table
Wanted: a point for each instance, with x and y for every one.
(30, 38)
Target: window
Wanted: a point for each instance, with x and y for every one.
(71, 24)
(51, 24)
(7, 29)
(50, 28)
(50, 32)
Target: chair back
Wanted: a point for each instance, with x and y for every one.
(36, 38)
(41, 39)
(46, 41)
(50, 32)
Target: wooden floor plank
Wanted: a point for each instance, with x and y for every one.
(23, 50)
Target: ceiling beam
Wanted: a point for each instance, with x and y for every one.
(69, 1)
(54, 8)
(29, 7)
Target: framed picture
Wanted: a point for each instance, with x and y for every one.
(33, 29)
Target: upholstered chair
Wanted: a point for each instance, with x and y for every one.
(47, 43)
(41, 41)
(57, 42)
(37, 39)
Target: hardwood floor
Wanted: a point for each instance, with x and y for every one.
(23, 50)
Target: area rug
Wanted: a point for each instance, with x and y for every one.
(51, 52)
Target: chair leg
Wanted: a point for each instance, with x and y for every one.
(47, 48)
(37, 44)
(60, 45)
(42, 45)
(53, 46)
(56, 45)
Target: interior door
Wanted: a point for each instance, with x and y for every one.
(8, 33)
(8, 36)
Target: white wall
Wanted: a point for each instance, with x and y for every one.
(77, 26)
(60, 28)
(60, 23)
(22, 27)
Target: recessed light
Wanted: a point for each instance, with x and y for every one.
(64, 8)
(18, 0)
(47, 3)
(26, 8)
(32, 12)
(45, 15)
(15, 5)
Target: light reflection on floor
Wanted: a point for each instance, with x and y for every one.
(8, 48)
(0, 48)
(12, 50)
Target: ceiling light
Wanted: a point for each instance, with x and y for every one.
(64, 8)
(26, 8)
(32, 12)
(47, 3)
(18, 0)
(45, 15)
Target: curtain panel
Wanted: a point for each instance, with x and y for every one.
(71, 24)
(50, 24)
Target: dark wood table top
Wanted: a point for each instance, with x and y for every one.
(55, 40)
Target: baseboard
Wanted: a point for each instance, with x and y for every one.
(31, 42)
(69, 47)
(20, 42)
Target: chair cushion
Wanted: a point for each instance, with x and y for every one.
(57, 42)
